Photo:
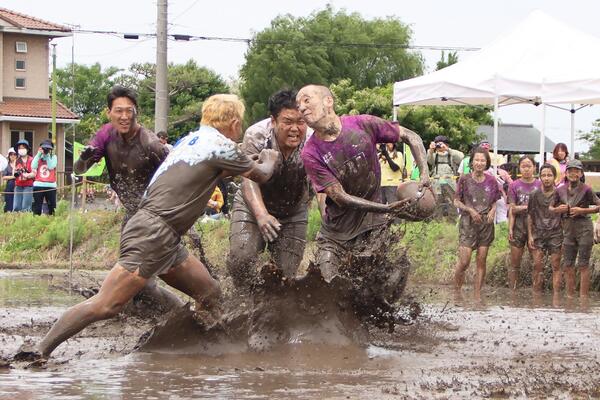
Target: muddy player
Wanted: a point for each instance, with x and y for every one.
(518, 198)
(476, 197)
(575, 201)
(545, 230)
(341, 162)
(175, 198)
(132, 154)
(274, 213)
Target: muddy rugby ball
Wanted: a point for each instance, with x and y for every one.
(422, 202)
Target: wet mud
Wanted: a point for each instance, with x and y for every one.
(508, 346)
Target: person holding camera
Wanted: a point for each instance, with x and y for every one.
(44, 186)
(443, 163)
(9, 177)
(24, 175)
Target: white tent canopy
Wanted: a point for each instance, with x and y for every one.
(542, 60)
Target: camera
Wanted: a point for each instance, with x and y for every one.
(439, 145)
(46, 150)
(18, 173)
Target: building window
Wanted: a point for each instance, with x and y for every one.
(15, 136)
(20, 65)
(20, 83)
(21, 47)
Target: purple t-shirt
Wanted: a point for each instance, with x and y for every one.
(519, 191)
(480, 196)
(130, 163)
(351, 159)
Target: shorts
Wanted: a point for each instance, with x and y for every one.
(151, 245)
(474, 235)
(520, 234)
(549, 241)
(578, 242)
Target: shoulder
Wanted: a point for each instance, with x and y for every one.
(102, 136)
(258, 134)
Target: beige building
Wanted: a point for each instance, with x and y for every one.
(25, 104)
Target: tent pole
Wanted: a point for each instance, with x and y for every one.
(572, 130)
(543, 134)
(395, 115)
(495, 125)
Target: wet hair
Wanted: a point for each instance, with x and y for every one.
(559, 147)
(285, 98)
(485, 152)
(162, 134)
(550, 167)
(121, 91)
(220, 109)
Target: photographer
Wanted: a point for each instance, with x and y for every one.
(44, 186)
(443, 163)
(24, 175)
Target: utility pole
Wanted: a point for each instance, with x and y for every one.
(161, 108)
(54, 94)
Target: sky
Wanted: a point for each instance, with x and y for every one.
(462, 23)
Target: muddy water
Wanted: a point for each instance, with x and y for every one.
(506, 346)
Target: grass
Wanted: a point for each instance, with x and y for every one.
(43, 241)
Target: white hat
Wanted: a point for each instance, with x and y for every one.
(11, 150)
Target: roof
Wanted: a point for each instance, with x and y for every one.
(23, 21)
(516, 138)
(36, 108)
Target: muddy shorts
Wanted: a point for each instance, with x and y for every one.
(246, 243)
(549, 241)
(520, 234)
(151, 245)
(473, 235)
(578, 241)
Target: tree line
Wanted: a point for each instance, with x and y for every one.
(359, 59)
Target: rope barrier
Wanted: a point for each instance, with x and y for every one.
(44, 190)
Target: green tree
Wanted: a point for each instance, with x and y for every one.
(324, 48)
(459, 123)
(189, 85)
(593, 139)
(88, 87)
(446, 62)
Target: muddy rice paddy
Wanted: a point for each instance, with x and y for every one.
(504, 347)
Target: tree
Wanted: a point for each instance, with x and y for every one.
(446, 62)
(325, 48)
(88, 87)
(189, 85)
(593, 138)
(459, 123)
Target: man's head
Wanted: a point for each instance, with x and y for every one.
(485, 144)
(162, 137)
(288, 123)
(316, 104)
(574, 171)
(122, 108)
(225, 113)
(441, 143)
(548, 175)
(47, 146)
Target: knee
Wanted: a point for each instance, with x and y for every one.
(109, 309)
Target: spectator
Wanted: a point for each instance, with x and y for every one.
(518, 199)
(476, 197)
(24, 175)
(392, 172)
(9, 178)
(44, 186)
(163, 138)
(443, 162)
(213, 207)
(559, 161)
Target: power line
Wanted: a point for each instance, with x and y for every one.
(308, 43)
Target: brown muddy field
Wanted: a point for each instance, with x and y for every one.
(505, 347)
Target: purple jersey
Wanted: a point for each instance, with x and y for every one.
(351, 159)
(480, 196)
(519, 191)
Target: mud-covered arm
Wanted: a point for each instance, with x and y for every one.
(337, 193)
(268, 225)
(262, 168)
(415, 143)
(321, 202)
(511, 222)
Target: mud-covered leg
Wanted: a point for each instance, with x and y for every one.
(481, 269)
(288, 249)
(158, 296)
(196, 240)
(245, 243)
(118, 288)
(464, 259)
(516, 255)
(538, 269)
